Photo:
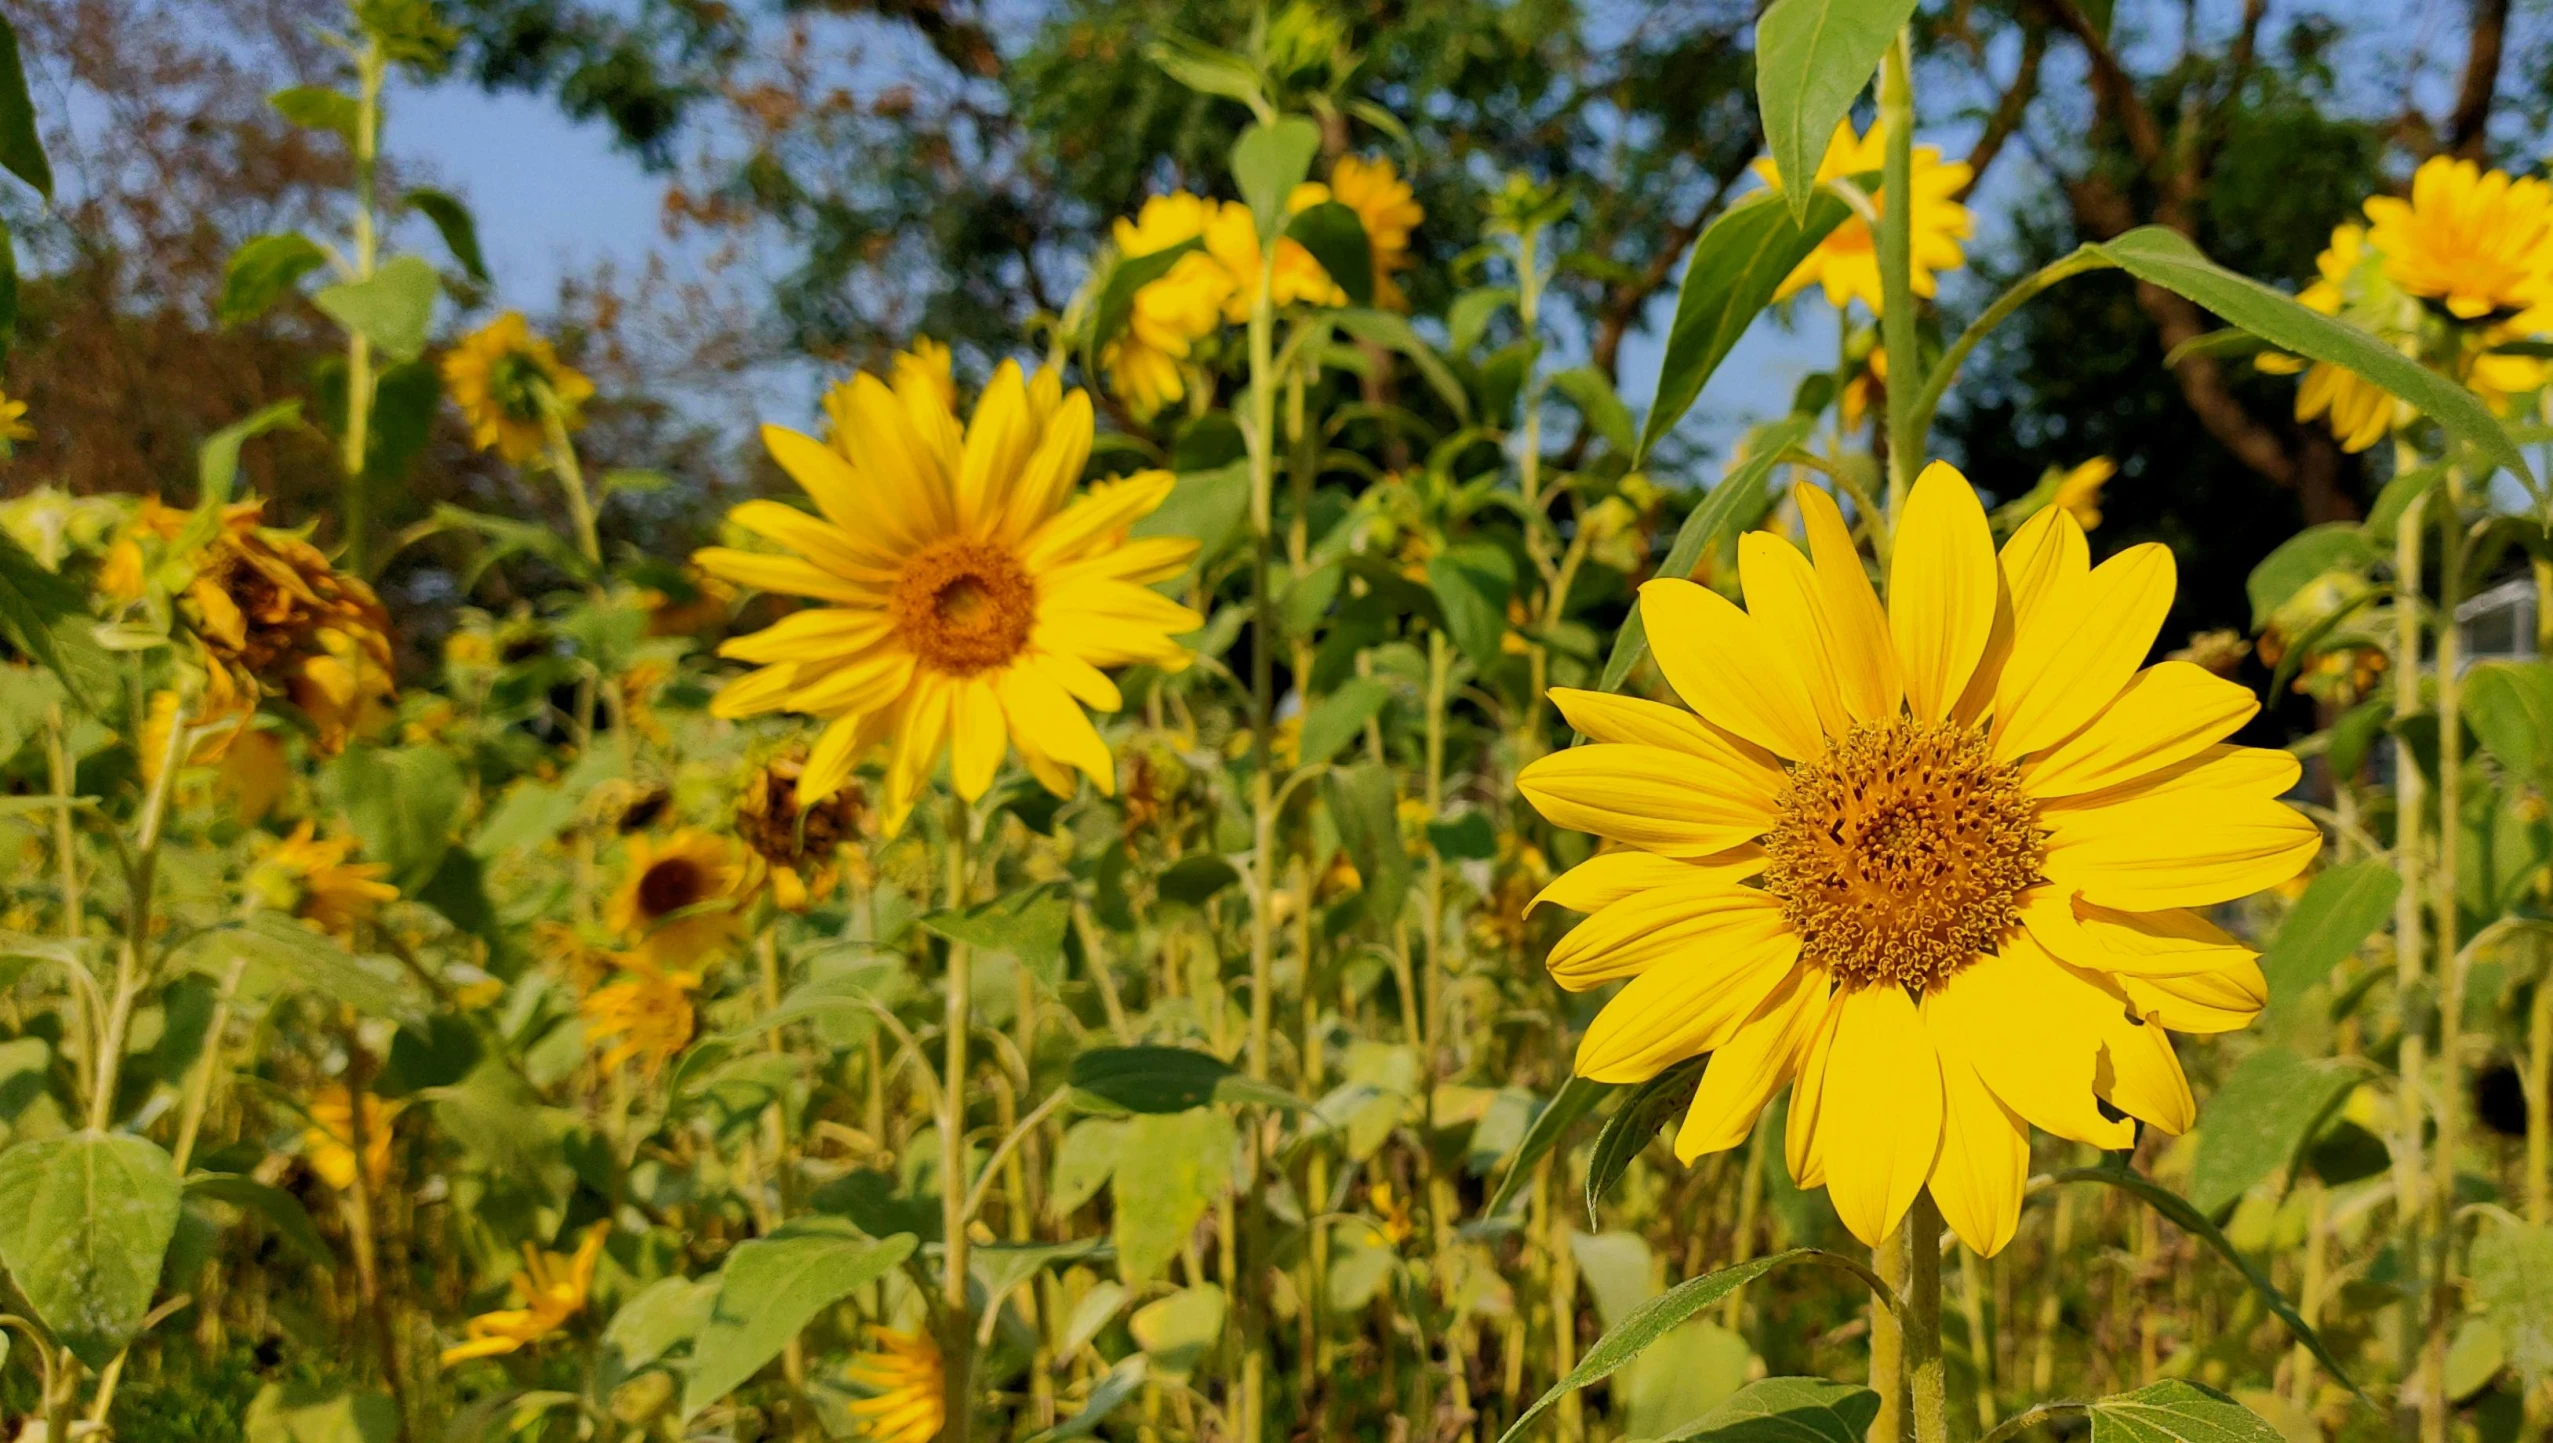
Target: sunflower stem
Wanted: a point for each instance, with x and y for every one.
(1896, 272)
(2410, 960)
(957, 1342)
(1927, 1393)
(2445, 1306)
(372, 66)
(1888, 1341)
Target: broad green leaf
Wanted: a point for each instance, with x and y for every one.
(1651, 1321)
(1736, 265)
(316, 107)
(405, 398)
(1788, 1410)
(657, 1319)
(88, 1220)
(1204, 506)
(1083, 1162)
(2406, 487)
(2180, 1214)
(1577, 1097)
(773, 1286)
(452, 221)
(2511, 1266)
(1472, 581)
(2333, 546)
(1171, 1166)
(1194, 880)
(1635, 1124)
(1592, 393)
(1336, 238)
(2475, 1357)
(319, 1413)
(217, 462)
(21, 149)
(1468, 318)
(392, 309)
(1269, 161)
(1127, 277)
(1364, 802)
(1154, 1079)
(2341, 909)
(1723, 509)
(47, 617)
(2509, 705)
(1206, 70)
(1340, 718)
(1393, 332)
(1176, 1331)
(1026, 926)
(1000, 1267)
(2163, 257)
(1812, 59)
(2174, 1411)
(405, 804)
(285, 1211)
(2256, 1122)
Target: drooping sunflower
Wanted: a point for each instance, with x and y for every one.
(2476, 242)
(803, 845)
(551, 1288)
(497, 375)
(680, 897)
(1384, 204)
(644, 1012)
(970, 598)
(1146, 363)
(902, 1378)
(1931, 865)
(1846, 264)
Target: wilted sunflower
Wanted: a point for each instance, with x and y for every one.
(680, 898)
(647, 1008)
(803, 845)
(1384, 205)
(902, 1378)
(2476, 242)
(970, 598)
(274, 616)
(313, 880)
(551, 1289)
(1146, 362)
(1846, 264)
(497, 376)
(328, 1144)
(1931, 865)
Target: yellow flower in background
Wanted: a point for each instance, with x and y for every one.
(275, 616)
(314, 881)
(1232, 238)
(1932, 864)
(680, 898)
(645, 1012)
(2347, 278)
(1867, 390)
(2477, 242)
(1846, 264)
(2078, 491)
(13, 423)
(970, 594)
(497, 376)
(551, 1289)
(902, 1378)
(1385, 205)
(329, 1142)
(1171, 313)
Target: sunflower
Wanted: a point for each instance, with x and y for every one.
(551, 1289)
(903, 1380)
(503, 377)
(1846, 263)
(1146, 362)
(647, 1008)
(970, 598)
(1930, 865)
(1232, 238)
(2476, 242)
(802, 845)
(13, 424)
(275, 616)
(313, 880)
(681, 897)
(329, 1142)
(1384, 205)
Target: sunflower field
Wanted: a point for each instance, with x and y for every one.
(1264, 856)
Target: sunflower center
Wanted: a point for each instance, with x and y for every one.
(1902, 853)
(963, 606)
(671, 885)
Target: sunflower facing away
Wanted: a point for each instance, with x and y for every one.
(1931, 865)
(969, 594)
(496, 376)
(1846, 264)
(902, 1378)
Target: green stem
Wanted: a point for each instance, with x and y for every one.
(1927, 1391)
(957, 1343)
(1888, 1339)
(2445, 1306)
(1936, 382)
(372, 65)
(1896, 272)
(2410, 958)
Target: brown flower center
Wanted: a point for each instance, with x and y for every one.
(1902, 853)
(963, 606)
(671, 885)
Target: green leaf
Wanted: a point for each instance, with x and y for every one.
(1171, 1166)
(405, 804)
(1176, 1331)
(2405, 487)
(1737, 264)
(392, 309)
(21, 149)
(2163, 257)
(1577, 1097)
(1364, 802)
(1206, 70)
(2511, 1266)
(1588, 389)
(1127, 277)
(47, 618)
(291, 1219)
(316, 107)
(217, 464)
(1026, 926)
(773, 1286)
(1656, 1317)
(1152, 1079)
(452, 221)
(1207, 506)
(660, 1317)
(2257, 1121)
(1111, 1393)
(1393, 332)
(1635, 1124)
(1269, 161)
(1000, 1267)
(1472, 582)
(1723, 510)
(2190, 1220)
(1193, 881)
(2509, 705)
(318, 1413)
(1083, 1162)
(2174, 1411)
(1336, 238)
(89, 1217)
(263, 271)
(1340, 718)
(1788, 1410)
(302, 959)
(2341, 909)
(2333, 546)
(1812, 59)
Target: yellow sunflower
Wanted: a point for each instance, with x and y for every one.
(1232, 238)
(2476, 242)
(2348, 278)
(551, 1289)
(313, 880)
(1385, 205)
(1931, 865)
(1146, 362)
(1846, 264)
(681, 897)
(902, 1378)
(496, 376)
(13, 424)
(645, 1013)
(970, 598)
(328, 1143)
(2078, 491)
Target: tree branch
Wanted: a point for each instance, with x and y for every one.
(2009, 110)
(2468, 125)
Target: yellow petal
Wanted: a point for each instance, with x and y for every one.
(2047, 555)
(1063, 447)
(1609, 717)
(1680, 926)
(1647, 796)
(1728, 668)
(2171, 712)
(832, 547)
(859, 685)
(999, 437)
(902, 471)
(1682, 1009)
(976, 738)
(755, 692)
(1942, 585)
(2225, 1000)
(1865, 659)
(1043, 716)
(2209, 830)
(1783, 598)
(1609, 877)
(823, 633)
(2171, 943)
(1744, 1074)
(1880, 1112)
(916, 742)
(1803, 1149)
(2143, 1078)
(2033, 1032)
(2072, 655)
(1984, 1165)
(827, 478)
(785, 574)
(1095, 517)
(829, 761)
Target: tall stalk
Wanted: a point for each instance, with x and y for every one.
(372, 64)
(957, 1345)
(2445, 1306)
(2410, 958)
(1926, 1376)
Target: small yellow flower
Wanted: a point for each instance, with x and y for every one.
(1232, 238)
(2078, 491)
(551, 1289)
(328, 1143)
(13, 424)
(1846, 264)
(314, 881)
(647, 1008)
(1866, 390)
(1386, 206)
(502, 377)
(680, 898)
(2477, 242)
(1146, 362)
(903, 1381)
(1393, 1212)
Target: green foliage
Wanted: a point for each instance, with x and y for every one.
(1812, 58)
(2259, 1119)
(770, 1289)
(92, 1216)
